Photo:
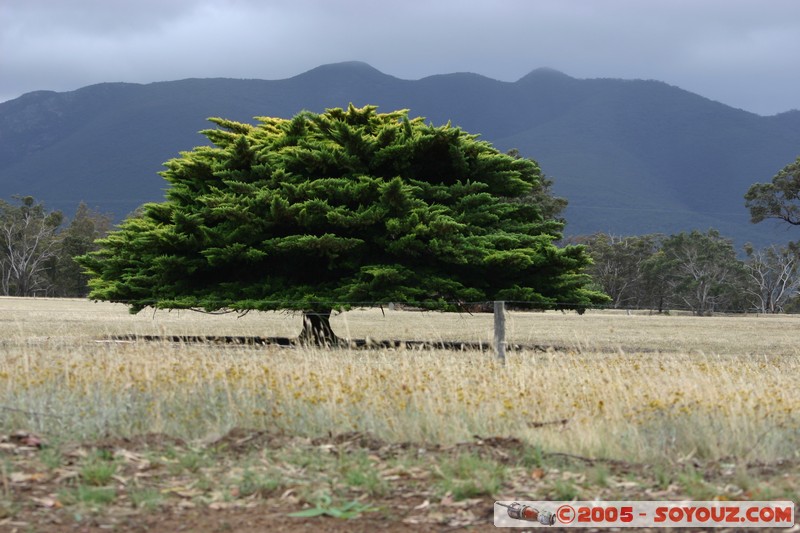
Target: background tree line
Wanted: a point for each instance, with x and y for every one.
(694, 271)
(697, 271)
(37, 247)
(701, 271)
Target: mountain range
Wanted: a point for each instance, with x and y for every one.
(631, 156)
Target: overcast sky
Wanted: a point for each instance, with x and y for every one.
(744, 53)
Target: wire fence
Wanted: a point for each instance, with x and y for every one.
(368, 325)
(465, 306)
(225, 306)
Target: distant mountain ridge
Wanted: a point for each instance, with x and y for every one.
(631, 156)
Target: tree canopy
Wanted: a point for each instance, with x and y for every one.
(779, 199)
(340, 209)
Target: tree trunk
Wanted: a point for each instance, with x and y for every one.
(317, 329)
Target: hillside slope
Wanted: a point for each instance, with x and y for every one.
(630, 156)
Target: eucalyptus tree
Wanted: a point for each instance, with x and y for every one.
(779, 199)
(28, 244)
(701, 270)
(774, 276)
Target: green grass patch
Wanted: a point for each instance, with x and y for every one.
(258, 483)
(325, 507)
(91, 496)
(188, 461)
(146, 498)
(693, 482)
(357, 470)
(565, 489)
(98, 469)
(468, 476)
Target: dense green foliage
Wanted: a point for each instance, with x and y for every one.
(348, 207)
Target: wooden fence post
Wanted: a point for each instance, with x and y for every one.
(500, 330)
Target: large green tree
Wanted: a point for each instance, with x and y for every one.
(340, 209)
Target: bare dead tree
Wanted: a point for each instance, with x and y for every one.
(28, 241)
(774, 277)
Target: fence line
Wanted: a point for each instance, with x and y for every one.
(419, 305)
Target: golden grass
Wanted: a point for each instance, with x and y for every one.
(631, 387)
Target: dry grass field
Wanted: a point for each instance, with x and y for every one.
(612, 389)
(639, 386)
